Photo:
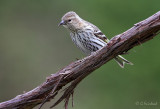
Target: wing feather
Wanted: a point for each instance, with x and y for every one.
(101, 36)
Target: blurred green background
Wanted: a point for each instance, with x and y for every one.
(32, 47)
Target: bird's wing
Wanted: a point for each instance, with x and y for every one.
(100, 35)
(97, 32)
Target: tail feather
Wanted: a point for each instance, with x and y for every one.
(121, 61)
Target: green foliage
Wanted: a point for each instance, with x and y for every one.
(33, 47)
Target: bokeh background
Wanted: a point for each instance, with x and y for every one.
(33, 47)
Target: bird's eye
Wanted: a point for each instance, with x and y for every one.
(69, 20)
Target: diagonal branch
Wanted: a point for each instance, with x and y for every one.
(78, 70)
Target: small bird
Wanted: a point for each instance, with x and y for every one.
(86, 36)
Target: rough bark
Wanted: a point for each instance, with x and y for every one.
(78, 70)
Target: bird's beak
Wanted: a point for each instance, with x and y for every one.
(62, 23)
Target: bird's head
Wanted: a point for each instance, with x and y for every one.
(72, 21)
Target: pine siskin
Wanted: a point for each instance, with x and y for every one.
(86, 36)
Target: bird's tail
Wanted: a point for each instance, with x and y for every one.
(121, 61)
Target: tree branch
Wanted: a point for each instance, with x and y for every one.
(78, 70)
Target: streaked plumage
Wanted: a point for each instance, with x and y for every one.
(86, 36)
